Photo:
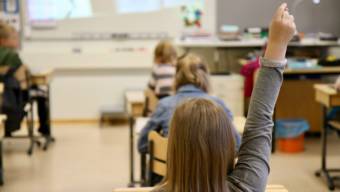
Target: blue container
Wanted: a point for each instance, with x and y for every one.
(290, 128)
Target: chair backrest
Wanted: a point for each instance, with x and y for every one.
(270, 188)
(158, 153)
(141, 189)
(151, 102)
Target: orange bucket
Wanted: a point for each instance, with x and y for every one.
(292, 145)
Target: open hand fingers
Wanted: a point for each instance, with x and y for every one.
(280, 11)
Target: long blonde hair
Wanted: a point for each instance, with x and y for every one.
(201, 148)
(192, 70)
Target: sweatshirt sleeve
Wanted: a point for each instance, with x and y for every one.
(252, 169)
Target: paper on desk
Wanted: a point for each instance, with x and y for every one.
(140, 124)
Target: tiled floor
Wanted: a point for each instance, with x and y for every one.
(88, 159)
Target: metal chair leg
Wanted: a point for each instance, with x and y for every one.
(30, 125)
(48, 141)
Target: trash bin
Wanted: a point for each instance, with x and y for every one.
(290, 134)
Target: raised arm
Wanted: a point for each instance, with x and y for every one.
(252, 168)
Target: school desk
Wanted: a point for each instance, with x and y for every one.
(270, 188)
(134, 101)
(328, 97)
(43, 77)
(136, 126)
(134, 106)
(297, 100)
(297, 90)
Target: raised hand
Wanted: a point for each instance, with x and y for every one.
(281, 31)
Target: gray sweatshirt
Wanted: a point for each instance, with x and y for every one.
(252, 169)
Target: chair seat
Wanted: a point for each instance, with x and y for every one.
(335, 124)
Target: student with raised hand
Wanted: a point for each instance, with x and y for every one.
(191, 81)
(199, 146)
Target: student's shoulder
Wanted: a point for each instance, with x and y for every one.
(9, 56)
(167, 101)
(217, 100)
(7, 51)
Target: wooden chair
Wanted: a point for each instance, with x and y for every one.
(137, 189)
(28, 109)
(270, 188)
(158, 155)
(151, 102)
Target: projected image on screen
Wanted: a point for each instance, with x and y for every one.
(174, 3)
(137, 6)
(59, 9)
(142, 6)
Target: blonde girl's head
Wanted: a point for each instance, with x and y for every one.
(192, 70)
(165, 53)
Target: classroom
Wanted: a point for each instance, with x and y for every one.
(169, 95)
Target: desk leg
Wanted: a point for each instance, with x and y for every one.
(30, 125)
(143, 169)
(49, 138)
(324, 140)
(324, 171)
(132, 160)
(49, 107)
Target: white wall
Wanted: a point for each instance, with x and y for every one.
(93, 74)
(81, 94)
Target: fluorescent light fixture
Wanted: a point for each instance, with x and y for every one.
(296, 3)
(316, 1)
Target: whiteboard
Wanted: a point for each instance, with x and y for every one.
(106, 19)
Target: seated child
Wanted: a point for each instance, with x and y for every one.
(200, 146)
(163, 71)
(16, 88)
(191, 81)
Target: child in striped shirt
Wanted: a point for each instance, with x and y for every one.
(164, 69)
